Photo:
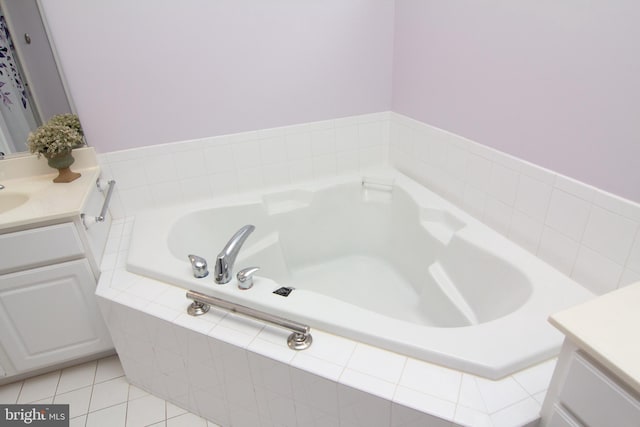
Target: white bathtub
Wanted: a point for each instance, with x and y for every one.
(388, 263)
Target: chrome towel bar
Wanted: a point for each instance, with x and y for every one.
(105, 206)
(299, 339)
(107, 200)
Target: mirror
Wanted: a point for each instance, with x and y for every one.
(31, 88)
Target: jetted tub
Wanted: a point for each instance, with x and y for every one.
(379, 259)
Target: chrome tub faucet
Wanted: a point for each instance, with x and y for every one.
(227, 257)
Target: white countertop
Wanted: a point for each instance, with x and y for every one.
(47, 201)
(608, 329)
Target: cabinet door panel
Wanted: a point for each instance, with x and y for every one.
(49, 315)
(560, 418)
(595, 398)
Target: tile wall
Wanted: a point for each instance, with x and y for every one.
(189, 170)
(588, 234)
(584, 232)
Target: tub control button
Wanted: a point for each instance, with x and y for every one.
(283, 292)
(245, 277)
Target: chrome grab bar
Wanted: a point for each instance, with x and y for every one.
(299, 339)
(105, 205)
(107, 200)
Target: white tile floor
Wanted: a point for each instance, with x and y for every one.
(99, 395)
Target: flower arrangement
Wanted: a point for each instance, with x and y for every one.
(57, 137)
(69, 120)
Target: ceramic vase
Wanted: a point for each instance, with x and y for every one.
(62, 162)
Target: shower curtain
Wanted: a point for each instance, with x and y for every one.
(17, 118)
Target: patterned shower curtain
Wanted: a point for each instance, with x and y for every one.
(16, 116)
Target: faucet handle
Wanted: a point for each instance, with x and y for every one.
(199, 266)
(245, 277)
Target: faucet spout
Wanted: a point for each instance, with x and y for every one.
(227, 257)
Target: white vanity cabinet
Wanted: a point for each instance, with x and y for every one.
(48, 310)
(596, 382)
(587, 394)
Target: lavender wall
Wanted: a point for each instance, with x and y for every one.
(146, 72)
(554, 83)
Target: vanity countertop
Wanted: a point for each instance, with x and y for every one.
(607, 329)
(47, 202)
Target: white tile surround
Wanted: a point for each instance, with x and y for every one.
(209, 167)
(588, 234)
(236, 371)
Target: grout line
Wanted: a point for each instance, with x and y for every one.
(397, 385)
(93, 382)
(636, 237)
(482, 397)
(166, 411)
(126, 409)
(55, 392)
(19, 392)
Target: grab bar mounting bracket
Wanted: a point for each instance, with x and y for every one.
(197, 308)
(297, 341)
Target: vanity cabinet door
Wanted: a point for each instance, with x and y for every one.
(596, 397)
(49, 315)
(560, 418)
